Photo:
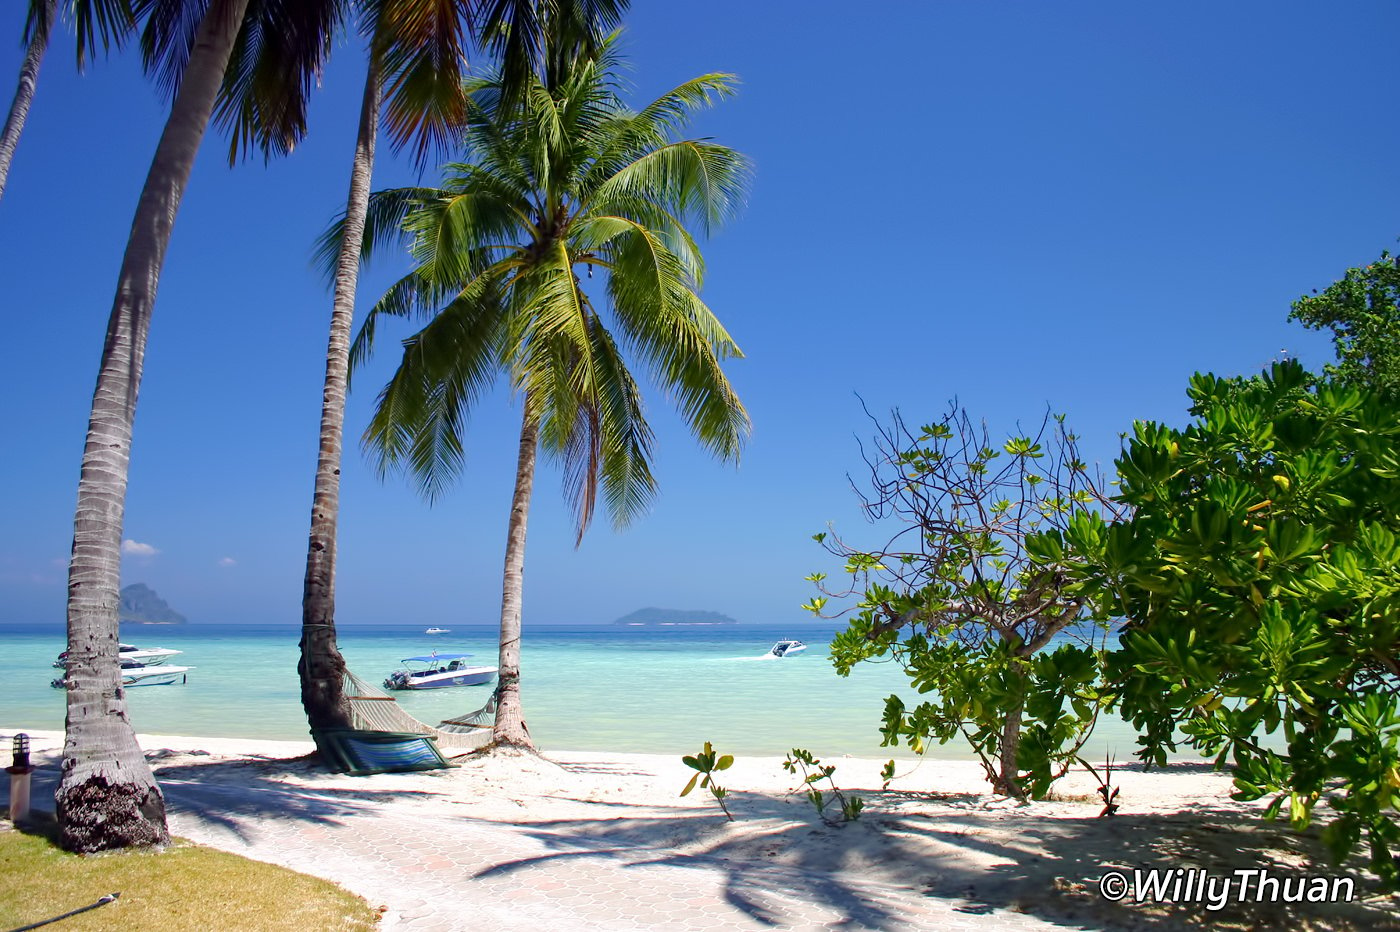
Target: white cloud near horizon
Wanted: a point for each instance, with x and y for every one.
(138, 549)
(228, 561)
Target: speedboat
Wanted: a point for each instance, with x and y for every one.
(160, 675)
(140, 674)
(435, 671)
(787, 648)
(149, 656)
(438, 631)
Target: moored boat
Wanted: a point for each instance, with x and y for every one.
(140, 674)
(435, 671)
(149, 656)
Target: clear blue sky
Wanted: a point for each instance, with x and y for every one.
(1018, 204)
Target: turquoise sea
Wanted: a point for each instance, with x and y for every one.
(660, 690)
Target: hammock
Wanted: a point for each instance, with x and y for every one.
(373, 709)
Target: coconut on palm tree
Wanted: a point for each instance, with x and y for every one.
(566, 184)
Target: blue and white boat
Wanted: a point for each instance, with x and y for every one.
(436, 670)
(141, 674)
(147, 656)
(787, 648)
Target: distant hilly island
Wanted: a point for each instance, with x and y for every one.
(141, 606)
(674, 616)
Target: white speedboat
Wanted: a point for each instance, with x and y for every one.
(438, 631)
(787, 648)
(435, 671)
(150, 656)
(160, 675)
(140, 674)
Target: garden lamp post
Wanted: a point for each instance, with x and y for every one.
(19, 773)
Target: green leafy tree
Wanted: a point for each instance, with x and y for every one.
(969, 595)
(1259, 576)
(1363, 312)
(567, 183)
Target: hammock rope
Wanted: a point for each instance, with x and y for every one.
(373, 709)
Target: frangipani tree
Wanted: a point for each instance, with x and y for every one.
(569, 184)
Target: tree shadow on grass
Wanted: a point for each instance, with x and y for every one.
(236, 794)
(904, 856)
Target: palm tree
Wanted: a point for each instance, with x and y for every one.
(107, 21)
(211, 57)
(568, 181)
(414, 54)
(107, 797)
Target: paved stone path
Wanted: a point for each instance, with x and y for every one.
(446, 874)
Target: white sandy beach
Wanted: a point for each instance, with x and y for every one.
(936, 837)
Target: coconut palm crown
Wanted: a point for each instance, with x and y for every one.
(560, 186)
(572, 184)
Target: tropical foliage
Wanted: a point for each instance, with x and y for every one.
(1259, 576)
(1362, 310)
(706, 764)
(567, 184)
(968, 594)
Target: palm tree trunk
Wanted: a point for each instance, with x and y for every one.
(24, 93)
(322, 668)
(510, 730)
(107, 797)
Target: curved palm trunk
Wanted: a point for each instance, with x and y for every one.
(24, 93)
(321, 667)
(107, 797)
(510, 730)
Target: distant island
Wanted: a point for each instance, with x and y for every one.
(141, 606)
(674, 616)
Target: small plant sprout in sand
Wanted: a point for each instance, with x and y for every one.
(1106, 789)
(707, 763)
(813, 772)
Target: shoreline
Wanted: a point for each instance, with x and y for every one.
(570, 839)
(1184, 782)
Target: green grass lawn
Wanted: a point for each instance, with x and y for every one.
(186, 886)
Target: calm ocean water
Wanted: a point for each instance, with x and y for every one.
(660, 690)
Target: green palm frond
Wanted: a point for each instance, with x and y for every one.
(421, 49)
(446, 367)
(277, 60)
(383, 227)
(691, 178)
(668, 325)
(166, 39)
(533, 38)
(97, 23)
(626, 438)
